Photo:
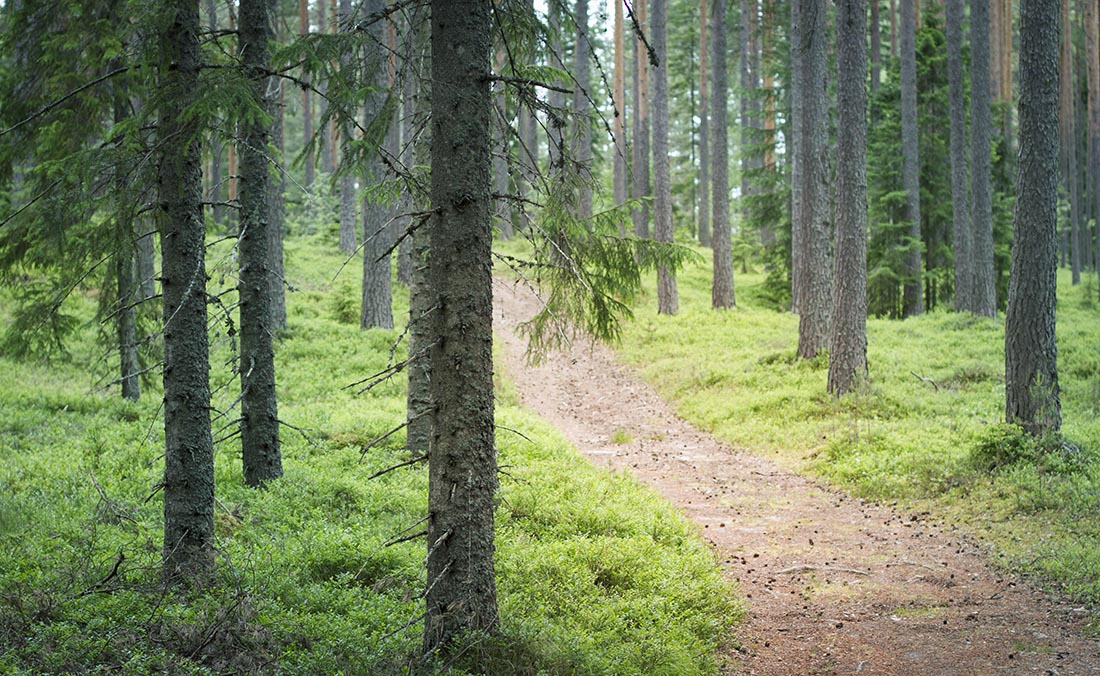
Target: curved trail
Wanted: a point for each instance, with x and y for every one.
(833, 585)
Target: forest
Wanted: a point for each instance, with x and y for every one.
(547, 338)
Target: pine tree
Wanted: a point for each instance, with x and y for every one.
(914, 296)
(667, 298)
(981, 188)
(964, 263)
(722, 292)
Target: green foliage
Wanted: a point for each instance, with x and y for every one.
(595, 574)
(923, 430)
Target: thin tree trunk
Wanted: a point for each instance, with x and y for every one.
(259, 411)
(893, 28)
(798, 169)
(582, 106)
(1031, 355)
(848, 335)
(408, 132)
(704, 133)
(667, 298)
(619, 166)
(376, 309)
(307, 100)
(640, 189)
(328, 165)
(960, 206)
(189, 450)
(913, 290)
(722, 292)
(500, 153)
(1067, 117)
(348, 238)
(876, 47)
(214, 194)
(748, 122)
(981, 187)
(815, 297)
(277, 210)
(1092, 71)
(127, 290)
(462, 474)
(555, 122)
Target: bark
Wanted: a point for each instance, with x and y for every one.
(722, 292)
(876, 47)
(893, 28)
(214, 194)
(127, 290)
(981, 187)
(145, 255)
(189, 453)
(964, 263)
(913, 291)
(848, 335)
(799, 176)
(1031, 368)
(408, 132)
(307, 100)
(418, 403)
(1068, 118)
(462, 474)
(582, 107)
(500, 153)
(667, 299)
(348, 238)
(747, 120)
(812, 213)
(377, 298)
(259, 411)
(704, 131)
(640, 164)
(1092, 72)
(327, 161)
(277, 211)
(619, 86)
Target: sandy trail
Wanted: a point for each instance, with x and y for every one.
(834, 585)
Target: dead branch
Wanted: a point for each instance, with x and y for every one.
(830, 569)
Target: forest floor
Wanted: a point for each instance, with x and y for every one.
(833, 584)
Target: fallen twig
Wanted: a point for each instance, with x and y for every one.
(831, 569)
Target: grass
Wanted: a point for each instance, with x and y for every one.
(596, 576)
(923, 431)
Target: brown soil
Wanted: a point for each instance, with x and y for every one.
(833, 584)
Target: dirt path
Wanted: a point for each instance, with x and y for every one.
(834, 585)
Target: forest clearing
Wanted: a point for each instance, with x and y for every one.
(547, 338)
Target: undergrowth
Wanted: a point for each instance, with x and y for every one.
(596, 576)
(925, 429)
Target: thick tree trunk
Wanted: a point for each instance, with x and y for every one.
(619, 166)
(1068, 118)
(1031, 364)
(259, 411)
(721, 291)
(348, 238)
(640, 165)
(582, 106)
(377, 302)
(189, 452)
(667, 298)
(704, 127)
(981, 187)
(960, 204)
(815, 297)
(848, 335)
(462, 474)
(913, 292)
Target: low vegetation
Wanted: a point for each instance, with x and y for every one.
(924, 430)
(322, 573)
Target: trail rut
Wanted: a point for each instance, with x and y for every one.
(833, 584)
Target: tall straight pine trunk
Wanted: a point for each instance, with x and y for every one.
(704, 133)
(668, 301)
(722, 293)
(960, 203)
(983, 290)
(913, 296)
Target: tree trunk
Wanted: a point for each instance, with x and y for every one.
(876, 47)
(214, 194)
(848, 335)
(582, 106)
(348, 239)
(500, 153)
(748, 122)
(462, 474)
(619, 92)
(307, 100)
(640, 165)
(328, 164)
(555, 121)
(377, 304)
(721, 292)
(408, 132)
(418, 402)
(1031, 364)
(127, 290)
(1068, 127)
(259, 411)
(704, 133)
(667, 301)
(812, 217)
(1092, 71)
(799, 176)
(981, 188)
(893, 28)
(189, 452)
(960, 206)
(277, 210)
(913, 292)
